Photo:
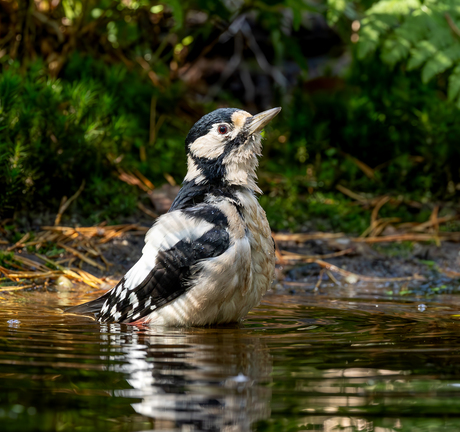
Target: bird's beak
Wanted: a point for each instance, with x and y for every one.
(259, 121)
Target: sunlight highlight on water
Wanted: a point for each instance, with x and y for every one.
(297, 363)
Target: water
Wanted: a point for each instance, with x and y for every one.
(333, 362)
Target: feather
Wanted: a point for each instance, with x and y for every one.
(90, 308)
(174, 245)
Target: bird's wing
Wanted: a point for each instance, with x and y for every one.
(175, 243)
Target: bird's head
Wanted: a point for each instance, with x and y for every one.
(223, 146)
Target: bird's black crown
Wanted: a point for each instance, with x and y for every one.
(204, 125)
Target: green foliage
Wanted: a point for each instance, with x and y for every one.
(424, 35)
(55, 133)
(5, 258)
(336, 8)
(404, 132)
(112, 95)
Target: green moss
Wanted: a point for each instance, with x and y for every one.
(55, 134)
(6, 256)
(395, 250)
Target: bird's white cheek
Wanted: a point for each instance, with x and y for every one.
(209, 146)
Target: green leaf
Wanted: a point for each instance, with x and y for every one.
(440, 62)
(453, 90)
(373, 28)
(298, 8)
(421, 54)
(177, 11)
(395, 50)
(72, 8)
(394, 7)
(335, 8)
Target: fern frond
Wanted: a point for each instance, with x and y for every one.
(441, 61)
(394, 7)
(421, 54)
(395, 49)
(423, 35)
(453, 90)
(335, 9)
(372, 30)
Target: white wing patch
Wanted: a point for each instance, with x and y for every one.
(169, 229)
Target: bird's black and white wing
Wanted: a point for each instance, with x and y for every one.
(173, 246)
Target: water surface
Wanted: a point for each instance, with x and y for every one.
(333, 362)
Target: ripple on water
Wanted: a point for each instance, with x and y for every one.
(297, 363)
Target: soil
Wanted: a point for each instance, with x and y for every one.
(433, 266)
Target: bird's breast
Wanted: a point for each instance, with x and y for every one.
(261, 242)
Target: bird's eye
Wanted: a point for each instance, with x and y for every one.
(222, 129)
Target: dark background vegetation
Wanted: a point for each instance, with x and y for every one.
(370, 94)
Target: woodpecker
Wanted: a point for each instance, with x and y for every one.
(211, 258)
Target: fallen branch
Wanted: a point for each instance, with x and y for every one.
(450, 273)
(135, 180)
(33, 265)
(366, 169)
(451, 236)
(83, 257)
(332, 278)
(19, 243)
(72, 273)
(320, 279)
(311, 258)
(28, 275)
(86, 239)
(383, 223)
(435, 224)
(351, 194)
(354, 277)
(15, 288)
(146, 210)
(307, 236)
(423, 226)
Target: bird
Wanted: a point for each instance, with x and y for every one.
(211, 257)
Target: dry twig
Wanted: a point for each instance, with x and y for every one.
(81, 256)
(301, 237)
(352, 194)
(435, 224)
(451, 236)
(354, 277)
(291, 256)
(320, 279)
(66, 203)
(19, 243)
(146, 210)
(15, 288)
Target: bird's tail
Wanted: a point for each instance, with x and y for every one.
(92, 307)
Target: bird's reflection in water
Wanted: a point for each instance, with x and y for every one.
(193, 379)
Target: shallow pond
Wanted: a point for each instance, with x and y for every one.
(339, 361)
